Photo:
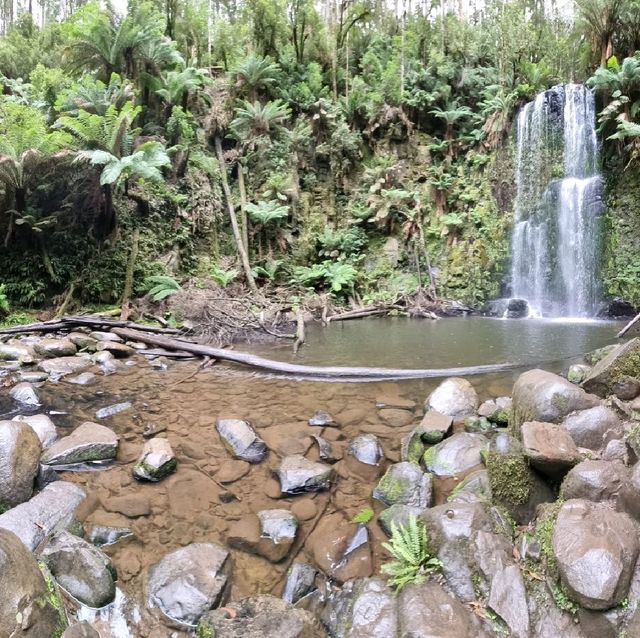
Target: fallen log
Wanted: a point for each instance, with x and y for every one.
(64, 323)
(320, 372)
(44, 326)
(630, 325)
(359, 314)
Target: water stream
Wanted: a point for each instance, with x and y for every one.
(558, 203)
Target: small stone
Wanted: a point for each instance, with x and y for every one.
(301, 579)
(549, 448)
(84, 378)
(118, 350)
(593, 428)
(322, 419)
(297, 475)
(366, 449)
(83, 341)
(80, 630)
(434, 427)
(496, 410)
(97, 335)
(16, 351)
(32, 376)
(241, 440)
(578, 373)
(325, 450)
(102, 535)
(270, 534)
(272, 489)
(477, 424)
(156, 462)
(231, 471)
(111, 410)
(25, 394)
(88, 442)
(279, 526)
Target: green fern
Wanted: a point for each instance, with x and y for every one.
(222, 277)
(4, 301)
(160, 287)
(409, 547)
(363, 516)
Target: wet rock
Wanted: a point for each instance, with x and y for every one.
(593, 428)
(83, 341)
(84, 378)
(398, 515)
(117, 349)
(547, 620)
(340, 548)
(366, 449)
(326, 450)
(32, 376)
(539, 395)
(434, 427)
(46, 475)
(129, 505)
(578, 373)
(16, 351)
(63, 366)
(28, 608)
(297, 474)
(629, 497)
(455, 521)
(549, 448)
(269, 534)
(25, 394)
(405, 483)
(43, 426)
(595, 481)
(455, 455)
(231, 471)
(241, 441)
(322, 419)
(496, 410)
(88, 442)
(301, 580)
(81, 630)
(395, 417)
(596, 550)
(101, 535)
(105, 336)
(261, 617)
(473, 487)
(454, 397)
(81, 569)
(508, 599)
(19, 462)
(478, 424)
(617, 373)
(156, 462)
(616, 450)
(190, 581)
(111, 410)
(53, 348)
(51, 510)
(102, 358)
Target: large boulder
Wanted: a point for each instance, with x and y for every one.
(81, 569)
(549, 448)
(28, 608)
(539, 395)
(593, 428)
(596, 551)
(405, 483)
(190, 581)
(52, 348)
(51, 510)
(261, 617)
(617, 373)
(454, 397)
(596, 481)
(62, 366)
(19, 462)
(456, 455)
(43, 426)
(88, 442)
(240, 439)
(16, 351)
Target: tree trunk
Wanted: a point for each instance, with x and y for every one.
(244, 258)
(243, 202)
(128, 279)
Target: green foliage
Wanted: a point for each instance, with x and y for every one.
(160, 287)
(409, 547)
(5, 306)
(335, 275)
(265, 213)
(222, 277)
(363, 516)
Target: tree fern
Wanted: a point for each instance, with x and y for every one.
(409, 547)
(161, 286)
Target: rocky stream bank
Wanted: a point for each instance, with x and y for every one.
(141, 499)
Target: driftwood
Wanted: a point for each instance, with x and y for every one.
(630, 325)
(322, 372)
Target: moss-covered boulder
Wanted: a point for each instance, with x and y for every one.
(405, 483)
(617, 373)
(456, 455)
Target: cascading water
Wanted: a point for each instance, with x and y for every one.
(558, 203)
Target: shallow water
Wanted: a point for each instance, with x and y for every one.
(190, 506)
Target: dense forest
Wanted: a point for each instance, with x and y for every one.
(358, 149)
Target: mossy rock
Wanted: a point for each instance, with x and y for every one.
(616, 371)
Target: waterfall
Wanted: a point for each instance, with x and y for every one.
(558, 203)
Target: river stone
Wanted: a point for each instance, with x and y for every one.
(616, 450)
(599, 354)
(88, 442)
(397, 515)
(16, 351)
(322, 419)
(434, 427)
(478, 424)
(25, 394)
(43, 426)
(270, 534)
(51, 510)
(80, 630)
(301, 580)
(496, 410)
(578, 373)
(593, 428)
(81, 569)
(156, 462)
(366, 449)
(52, 348)
(103, 357)
(549, 448)
(326, 451)
(63, 366)
(112, 410)
(103, 535)
(83, 341)
(84, 378)
(405, 483)
(456, 521)
(27, 607)
(32, 376)
(539, 395)
(508, 599)
(596, 550)
(454, 397)
(629, 497)
(260, 617)
(455, 455)
(596, 481)
(297, 474)
(241, 440)
(617, 373)
(473, 487)
(117, 349)
(105, 336)
(190, 581)
(20, 451)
